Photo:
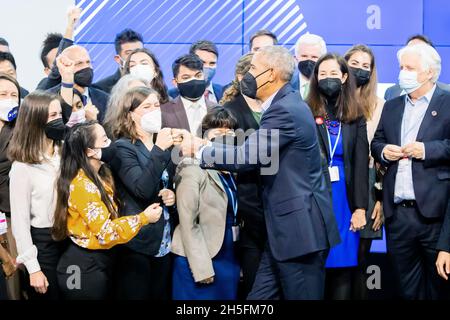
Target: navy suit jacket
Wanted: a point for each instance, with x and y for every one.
(218, 92)
(297, 205)
(98, 97)
(431, 177)
(106, 84)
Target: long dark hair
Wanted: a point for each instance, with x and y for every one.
(28, 141)
(368, 93)
(158, 81)
(73, 159)
(347, 106)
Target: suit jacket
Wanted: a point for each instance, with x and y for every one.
(202, 211)
(218, 92)
(5, 166)
(99, 99)
(297, 206)
(174, 115)
(250, 209)
(107, 83)
(395, 91)
(137, 173)
(431, 177)
(356, 161)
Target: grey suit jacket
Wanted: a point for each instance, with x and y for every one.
(174, 115)
(202, 209)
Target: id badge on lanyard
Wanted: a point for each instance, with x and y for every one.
(333, 171)
(235, 228)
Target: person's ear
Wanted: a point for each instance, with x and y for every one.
(118, 60)
(344, 78)
(90, 153)
(174, 83)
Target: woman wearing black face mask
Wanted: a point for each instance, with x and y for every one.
(343, 140)
(362, 64)
(34, 150)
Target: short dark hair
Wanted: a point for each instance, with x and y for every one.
(51, 42)
(126, 36)
(204, 45)
(260, 33)
(3, 42)
(191, 61)
(420, 37)
(218, 117)
(7, 56)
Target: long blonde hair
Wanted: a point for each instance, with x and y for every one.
(242, 67)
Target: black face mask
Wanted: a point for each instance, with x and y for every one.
(330, 87)
(84, 77)
(361, 76)
(108, 153)
(55, 130)
(306, 67)
(249, 86)
(192, 89)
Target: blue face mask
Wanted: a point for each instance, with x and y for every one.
(209, 74)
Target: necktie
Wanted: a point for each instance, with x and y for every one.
(305, 90)
(206, 94)
(84, 99)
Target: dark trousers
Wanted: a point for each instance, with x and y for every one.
(86, 274)
(49, 252)
(411, 244)
(3, 291)
(302, 278)
(339, 283)
(250, 252)
(142, 277)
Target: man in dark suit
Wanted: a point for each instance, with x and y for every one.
(82, 80)
(126, 42)
(301, 226)
(188, 109)
(209, 54)
(413, 141)
(396, 91)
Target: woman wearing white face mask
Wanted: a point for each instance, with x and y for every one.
(143, 64)
(143, 173)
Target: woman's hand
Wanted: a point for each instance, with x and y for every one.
(39, 282)
(91, 112)
(153, 212)
(168, 197)
(358, 220)
(377, 216)
(164, 139)
(443, 264)
(207, 280)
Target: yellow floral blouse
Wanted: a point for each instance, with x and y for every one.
(89, 222)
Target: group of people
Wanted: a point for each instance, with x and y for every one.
(124, 189)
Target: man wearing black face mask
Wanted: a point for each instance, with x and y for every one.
(308, 50)
(83, 75)
(188, 109)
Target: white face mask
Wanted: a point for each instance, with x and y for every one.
(77, 117)
(151, 121)
(8, 110)
(408, 81)
(143, 71)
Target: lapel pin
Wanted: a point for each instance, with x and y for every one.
(434, 113)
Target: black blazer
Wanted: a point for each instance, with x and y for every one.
(250, 210)
(5, 166)
(137, 173)
(107, 83)
(98, 97)
(356, 161)
(431, 177)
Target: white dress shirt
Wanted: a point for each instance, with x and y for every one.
(302, 85)
(195, 111)
(33, 203)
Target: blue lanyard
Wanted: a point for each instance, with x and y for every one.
(232, 191)
(333, 149)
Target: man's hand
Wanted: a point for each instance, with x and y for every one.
(414, 150)
(73, 16)
(65, 67)
(443, 264)
(377, 216)
(392, 152)
(168, 197)
(91, 112)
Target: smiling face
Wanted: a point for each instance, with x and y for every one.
(361, 60)
(54, 111)
(8, 90)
